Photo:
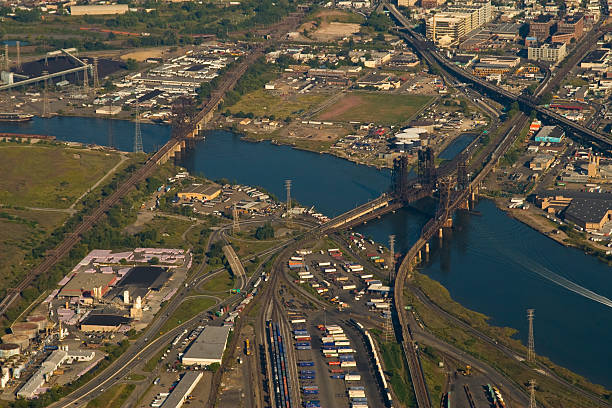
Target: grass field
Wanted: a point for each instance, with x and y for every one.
(168, 231)
(188, 309)
(20, 231)
(219, 284)
(113, 397)
(263, 103)
(383, 109)
(153, 361)
(49, 176)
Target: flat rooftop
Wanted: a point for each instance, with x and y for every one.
(589, 210)
(185, 386)
(208, 347)
(85, 282)
(105, 320)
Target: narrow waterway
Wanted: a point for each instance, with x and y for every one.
(492, 263)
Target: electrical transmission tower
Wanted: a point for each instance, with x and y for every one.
(111, 139)
(532, 399)
(6, 58)
(45, 97)
(235, 225)
(96, 80)
(137, 134)
(392, 250)
(288, 188)
(530, 342)
(18, 56)
(85, 81)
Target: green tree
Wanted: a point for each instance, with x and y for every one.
(265, 231)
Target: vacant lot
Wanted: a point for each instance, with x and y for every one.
(49, 176)
(383, 109)
(263, 103)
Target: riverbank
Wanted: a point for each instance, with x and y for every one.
(563, 236)
(253, 138)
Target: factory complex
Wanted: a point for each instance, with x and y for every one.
(208, 347)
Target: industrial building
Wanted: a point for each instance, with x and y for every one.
(88, 283)
(200, 192)
(550, 134)
(590, 214)
(182, 390)
(541, 162)
(208, 347)
(99, 9)
(58, 357)
(103, 323)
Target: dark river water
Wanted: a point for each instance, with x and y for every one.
(490, 263)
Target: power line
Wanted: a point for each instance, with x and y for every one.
(18, 56)
(531, 342)
(288, 188)
(137, 133)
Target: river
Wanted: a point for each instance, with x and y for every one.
(492, 263)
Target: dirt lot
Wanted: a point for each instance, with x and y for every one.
(334, 31)
(144, 54)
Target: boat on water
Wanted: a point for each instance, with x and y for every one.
(15, 117)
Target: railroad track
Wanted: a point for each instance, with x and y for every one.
(145, 171)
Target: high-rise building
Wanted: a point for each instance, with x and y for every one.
(448, 26)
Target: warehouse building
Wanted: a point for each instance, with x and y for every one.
(208, 347)
(590, 214)
(88, 283)
(200, 192)
(550, 134)
(99, 9)
(103, 323)
(182, 390)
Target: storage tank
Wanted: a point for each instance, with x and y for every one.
(21, 340)
(26, 328)
(41, 321)
(7, 350)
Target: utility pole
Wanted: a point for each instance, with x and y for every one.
(137, 134)
(235, 225)
(530, 343)
(532, 399)
(288, 188)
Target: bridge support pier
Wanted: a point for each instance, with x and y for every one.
(427, 247)
(440, 233)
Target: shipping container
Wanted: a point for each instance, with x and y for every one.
(305, 363)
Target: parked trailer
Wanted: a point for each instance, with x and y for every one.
(352, 377)
(349, 287)
(356, 393)
(337, 376)
(348, 364)
(305, 364)
(298, 321)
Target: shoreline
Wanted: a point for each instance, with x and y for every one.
(558, 238)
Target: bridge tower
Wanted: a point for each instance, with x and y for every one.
(463, 181)
(426, 170)
(399, 178)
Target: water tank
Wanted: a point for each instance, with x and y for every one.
(7, 350)
(40, 320)
(26, 328)
(21, 340)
